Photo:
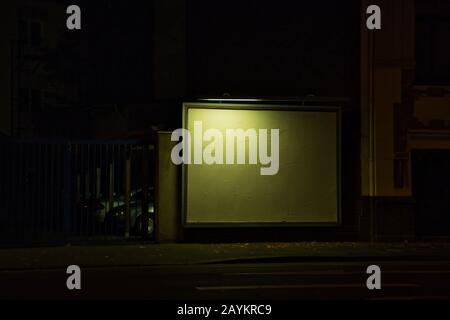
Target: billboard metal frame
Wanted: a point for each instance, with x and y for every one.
(264, 107)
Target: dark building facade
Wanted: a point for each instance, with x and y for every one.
(133, 68)
(404, 114)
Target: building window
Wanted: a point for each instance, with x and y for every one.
(29, 33)
(30, 100)
(24, 100)
(23, 32)
(35, 34)
(36, 101)
(432, 45)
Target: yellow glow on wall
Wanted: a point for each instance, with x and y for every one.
(305, 189)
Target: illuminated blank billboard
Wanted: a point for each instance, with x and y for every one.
(261, 165)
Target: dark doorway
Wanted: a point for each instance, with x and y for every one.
(431, 189)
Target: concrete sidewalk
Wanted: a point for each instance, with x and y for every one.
(180, 254)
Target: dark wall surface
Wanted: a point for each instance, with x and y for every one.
(273, 49)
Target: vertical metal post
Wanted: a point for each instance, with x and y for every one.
(98, 182)
(13, 98)
(127, 192)
(111, 186)
(66, 190)
(145, 187)
(372, 138)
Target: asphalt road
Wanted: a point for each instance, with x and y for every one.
(270, 280)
